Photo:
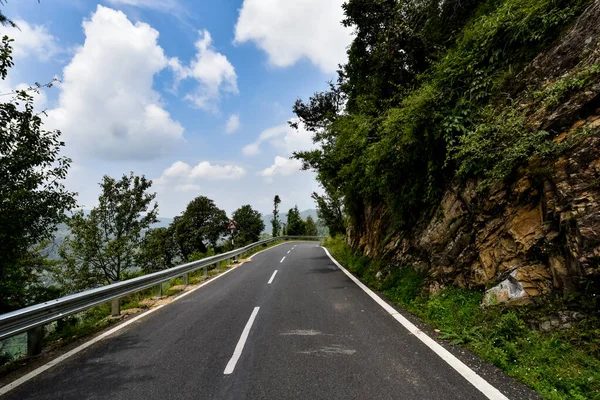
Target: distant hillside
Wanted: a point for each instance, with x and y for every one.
(283, 217)
(62, 231)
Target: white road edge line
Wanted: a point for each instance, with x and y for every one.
(481, 384)
(240, 345)
(282, 260)
(18, 382)
(272, 277)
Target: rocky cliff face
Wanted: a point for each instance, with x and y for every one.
(538, 234)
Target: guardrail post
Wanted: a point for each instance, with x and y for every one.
(116, 307)
(186, 279)
(205, 271)
(159, 291)
(218, 265)
(34, 341)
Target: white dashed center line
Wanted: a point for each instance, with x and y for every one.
(272, 277)
(282, 259)
(240, 345)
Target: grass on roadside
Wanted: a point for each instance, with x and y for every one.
(561, 364)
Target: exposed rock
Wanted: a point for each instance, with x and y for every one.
(564, 320)
(523, 282)
(508, 290)
(538, 234)
(526, 226)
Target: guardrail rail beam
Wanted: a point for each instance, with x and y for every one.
(32, 319)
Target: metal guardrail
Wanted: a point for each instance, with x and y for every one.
(32, 318)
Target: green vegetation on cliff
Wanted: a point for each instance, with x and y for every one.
(430, 94)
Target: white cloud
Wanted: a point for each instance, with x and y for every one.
(233, 124)
(217, 172)
(183, 176)
(282, 137)
(213, 72)
(31, 40)
(282, 166)
(179, 169)
(107, 106)
(251, 149)
(289, 31)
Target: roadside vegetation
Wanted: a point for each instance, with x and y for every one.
(562, 364)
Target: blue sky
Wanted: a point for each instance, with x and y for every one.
(193, 94)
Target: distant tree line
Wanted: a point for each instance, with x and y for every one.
(295, 225)
(116, 239)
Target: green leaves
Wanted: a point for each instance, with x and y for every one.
(201, 225)
(33, 199)
(295, 224)
(158, 250)
(275, 222)
(249, 225)
(310, 227)
(330, 211)
(423, 98)
(104, 243)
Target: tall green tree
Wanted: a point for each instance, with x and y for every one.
(33, 199)
(158, 250)
(201, 226)
(249, 225)
(295, 224)
(311, 227)
(103, 244)
(330, 211)
(275, 223)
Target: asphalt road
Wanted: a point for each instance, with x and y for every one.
(314, 335)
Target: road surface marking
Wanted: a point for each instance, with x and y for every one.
(240, 345)
(288, 251)
(272, 277)
(282, 259)
(7, 388)
(268, 248)
(481, 384)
